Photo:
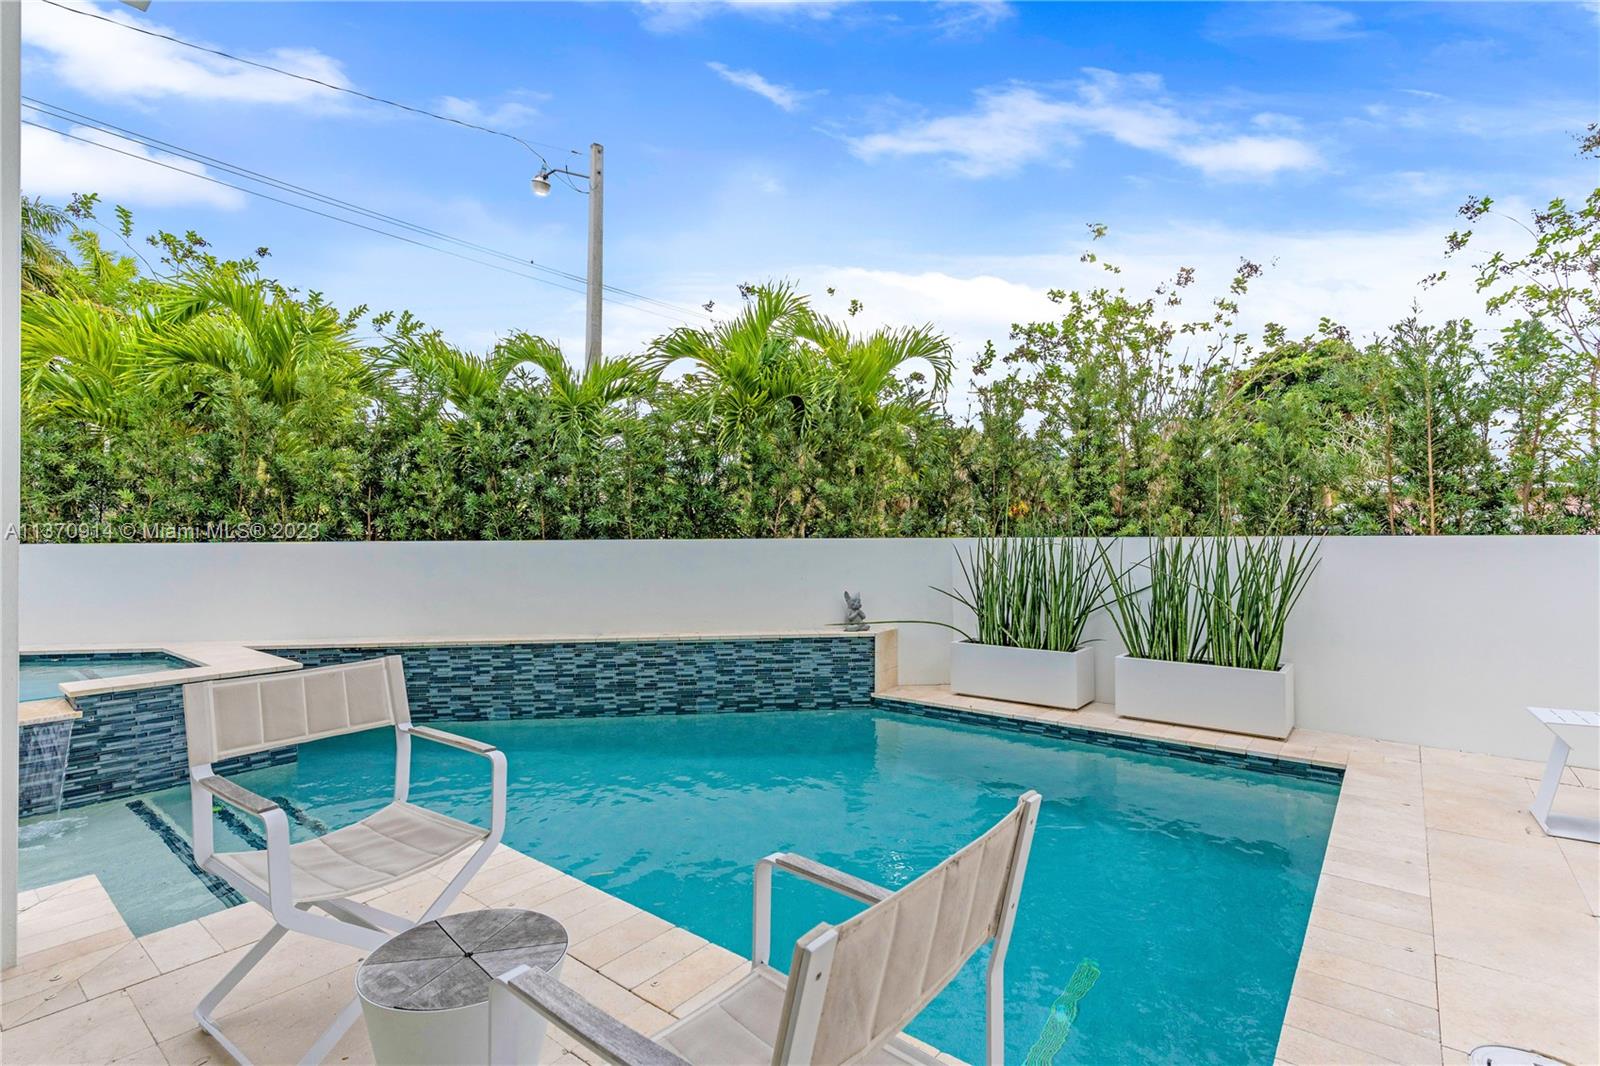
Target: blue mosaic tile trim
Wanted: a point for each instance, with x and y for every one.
(603, 679)
(128, 743)
(1144, 745)
(42, 765)
(242, 829)
(224, 892)
(299, 814)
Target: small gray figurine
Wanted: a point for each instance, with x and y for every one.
(855, 619)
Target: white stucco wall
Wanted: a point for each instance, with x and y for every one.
(107, 594)
(1439, 641)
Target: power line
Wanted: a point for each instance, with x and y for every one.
(314, 81)
(336, 218)
(66, 114)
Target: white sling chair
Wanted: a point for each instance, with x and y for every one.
(245, 715)
(851, 987)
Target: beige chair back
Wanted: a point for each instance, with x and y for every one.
(893, 958)
(242, 715)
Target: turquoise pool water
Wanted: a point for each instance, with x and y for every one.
(42, 674)
(1190, 884)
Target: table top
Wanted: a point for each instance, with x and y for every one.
(1562, 716)
(452, 961)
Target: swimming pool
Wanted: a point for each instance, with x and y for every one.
(1189, 883)
(41, 675)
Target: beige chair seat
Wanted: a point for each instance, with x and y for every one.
(741, 1025)
(396, 842)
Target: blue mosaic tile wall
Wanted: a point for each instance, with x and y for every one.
(132, 742)
(127, 743)
(587, 679)
(1122, 742)
(42, 763)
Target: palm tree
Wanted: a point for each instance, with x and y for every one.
(43, 264)
(864, 369)
(777, 354)
(459, 376)
(751, 364)
(588, 400)
(79, 360)
(221, 322)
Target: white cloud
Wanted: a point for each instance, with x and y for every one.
(1365, 279)
(970, 18)
(109, 62)
(1272, 120)
(948, 18)
(673, 16)
(784, 96)
(1300, 21)
(1249, 157)
(1010, 127)
(515, 112)
(1432, 112)
(55, 166)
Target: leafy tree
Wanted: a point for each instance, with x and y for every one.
(1555, 282)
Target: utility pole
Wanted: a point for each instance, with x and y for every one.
(591, 326)
(594, 289)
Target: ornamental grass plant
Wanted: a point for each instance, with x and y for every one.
(1220, 601)
(1030, 592)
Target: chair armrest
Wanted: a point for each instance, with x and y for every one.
(811, 870)
(590, 1026)
(828, 877)
(451, 740)
(280, 889)
(497, 770)
(236, 795)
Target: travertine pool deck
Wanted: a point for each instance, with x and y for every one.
(1444, 919)
(87, 991)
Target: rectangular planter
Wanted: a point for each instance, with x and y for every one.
(1023, 675)
(1258, 702)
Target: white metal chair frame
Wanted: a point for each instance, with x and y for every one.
(807, 982)
(348, 921)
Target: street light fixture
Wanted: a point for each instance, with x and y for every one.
(594, 287)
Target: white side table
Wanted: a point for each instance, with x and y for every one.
(1568, 728)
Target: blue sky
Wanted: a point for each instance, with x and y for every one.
(938, 161)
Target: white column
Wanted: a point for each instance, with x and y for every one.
(10, 445)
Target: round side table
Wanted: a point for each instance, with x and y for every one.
(425, 993)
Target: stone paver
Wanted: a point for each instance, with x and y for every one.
(87, 995)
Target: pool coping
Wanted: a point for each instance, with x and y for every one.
(213, 660)
(1415, 949)
(1118, 740)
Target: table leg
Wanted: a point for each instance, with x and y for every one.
(1542, 803)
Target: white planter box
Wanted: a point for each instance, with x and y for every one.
(1023, 675)
(1258, 702)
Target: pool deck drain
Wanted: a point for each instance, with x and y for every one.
(1444, 919)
